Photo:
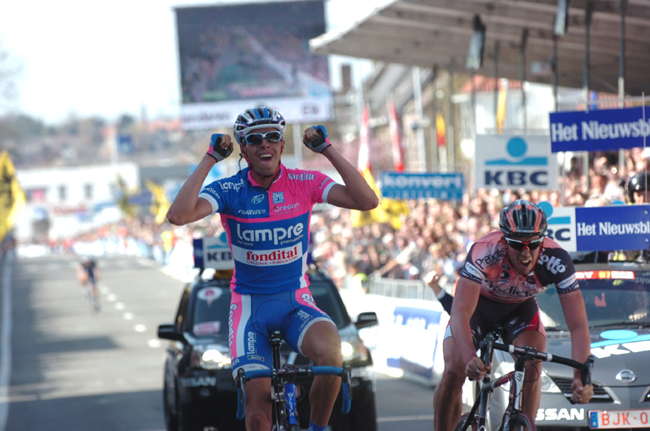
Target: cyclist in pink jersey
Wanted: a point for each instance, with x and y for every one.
(502, 274)
(265, 210)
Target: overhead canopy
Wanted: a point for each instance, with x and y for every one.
(436, 32)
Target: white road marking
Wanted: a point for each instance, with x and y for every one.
(111, 297)
(128, 316)
(140, 327)
(154, 343)
(406, 418)
(5, 341)
(119, 306)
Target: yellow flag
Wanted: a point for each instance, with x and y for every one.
(159, 202)
(12, 198)
(127, 207)
(388, 210)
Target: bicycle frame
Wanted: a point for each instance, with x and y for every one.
(515, 378)
(284, 394)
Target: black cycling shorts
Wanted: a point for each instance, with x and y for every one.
(515, 319)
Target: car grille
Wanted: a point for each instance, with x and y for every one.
(600, 394)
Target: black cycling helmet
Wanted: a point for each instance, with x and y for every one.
(523, 218)
(636, 184)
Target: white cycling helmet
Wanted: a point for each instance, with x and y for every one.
(257, 118)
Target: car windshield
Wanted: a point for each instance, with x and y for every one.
(608, 301)
(210, 317)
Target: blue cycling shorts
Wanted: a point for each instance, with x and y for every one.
(253, 318)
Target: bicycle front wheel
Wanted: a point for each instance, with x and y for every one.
(472, 426)
(521, 422)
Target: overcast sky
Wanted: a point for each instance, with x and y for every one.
(91, 58)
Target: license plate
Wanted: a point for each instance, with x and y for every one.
(613, 419)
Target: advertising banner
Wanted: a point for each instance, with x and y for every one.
(599, 130)
(607, 228)
(515, 162)
(237, 57)
(430, 185)
(213, 252)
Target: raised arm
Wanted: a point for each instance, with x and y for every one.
(187, 206)
(356, 194)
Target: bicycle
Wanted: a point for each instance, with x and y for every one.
(284, 392)
(513, 418)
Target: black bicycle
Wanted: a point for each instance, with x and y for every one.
(513, 418)
(284, 391)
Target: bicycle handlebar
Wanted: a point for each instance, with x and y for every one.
(531, 353)
(297, 371)
(294, 371)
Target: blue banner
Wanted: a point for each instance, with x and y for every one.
(617, 227)
(608, 228)
(601, 130)
(400, 185)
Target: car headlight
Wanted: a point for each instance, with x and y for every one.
(210, 357)
(354, 350)
(548, 385)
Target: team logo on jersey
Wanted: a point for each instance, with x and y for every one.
(302, 176)
(282, 209)
(225, 186)
(307, 298)
(490, 259)
(278, 197)
(257, 199)
(250, 343)
(553, 263)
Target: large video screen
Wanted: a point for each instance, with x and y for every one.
(237, 57)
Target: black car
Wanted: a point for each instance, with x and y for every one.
(199, 391)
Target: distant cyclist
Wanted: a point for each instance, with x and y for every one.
(502, 274)
(265, 210)
(88, 273)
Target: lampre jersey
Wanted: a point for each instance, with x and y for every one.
(487, 264)
(268, 230)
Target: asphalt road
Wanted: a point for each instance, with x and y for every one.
(65, 367)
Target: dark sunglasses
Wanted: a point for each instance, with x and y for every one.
(257, 138)
(520, 245)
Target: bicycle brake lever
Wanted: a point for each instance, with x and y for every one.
(585, 374)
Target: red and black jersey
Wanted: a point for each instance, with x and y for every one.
(487, 264)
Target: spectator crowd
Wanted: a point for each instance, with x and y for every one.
(434, 236)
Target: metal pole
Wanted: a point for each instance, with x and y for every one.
(417, 96)
(585, 77)
(451, 142)
(522, 69)
(554, 62)
(554, 66)
(589, 8)
(436, 159)
(471, 76)
(621, 76)
(496, 85)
